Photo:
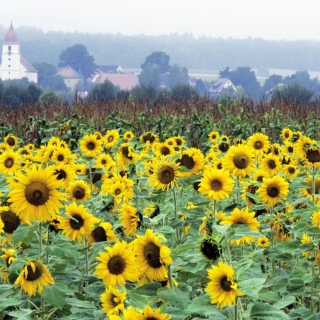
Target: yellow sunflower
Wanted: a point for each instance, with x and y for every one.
(165, 174)
(239, 161)
(79, 224)
(316, 219)
(148, 137)
(128, 136)
(34, 193)
(213, 136)
(259, 143)
(216, 184)
(103, 232)
(111, 138)
(105, 162)
(263, 242)
(273, 190)
(288, 148)
(149, 314)
(11, 141)
(193, 160)
(117, 266)
(78, 190)
(112, 300)
(130, 218)
(290, 171)
(9, 162)
(163, 149)
(33, 277)
(90, 146)
(8, 256)
(62, 155)
(64, 172)
(270, 164)
(259, 175)
(152, 256)
(242, 216)
(125, 155)
(302, 145)
(306, 239)
(312, 157)
(286, 134)
(9, 222)
(222, 288)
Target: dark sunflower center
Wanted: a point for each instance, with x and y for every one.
(216, 185)
(148, 137)
(187, 161)
(271, 164)
(37, 193)
(60, 157)
(166, 175)
(78, 192)
(210, 250)
(91, 145)
(286, 135)
(125, 152)
(152, 255)
(103, 161)
(291, 170)
(290, 149)
(224, 147)
(240, 221)
(276, 150)
(116, 265)
(241, 160)
(11, 142)
(9, 162)
(34, 274)
(313, 155)
(77, 222)
(225, 284)
(165, 151)
(213, 136)
(273, 191)
(258, 145)
(10, 220)
(117, 192)
(61, 174)
(219, 166)
(99, 234)
(110, 139)
(179, 142)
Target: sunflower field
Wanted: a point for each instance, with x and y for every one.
(178, 211)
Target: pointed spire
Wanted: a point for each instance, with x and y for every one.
(11, 36)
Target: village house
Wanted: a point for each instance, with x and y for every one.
(222, 84)
(70, 77)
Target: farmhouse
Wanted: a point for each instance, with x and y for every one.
(70, 77)
(220, 85)
(14, 65)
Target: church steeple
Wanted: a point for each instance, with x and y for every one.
(11, 37)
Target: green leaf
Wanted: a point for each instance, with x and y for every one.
(288, 246)
(263, 311)
(176, 297)
(138, 300)
(65, 250)
(251, 287)
(9, 302)
(238, 231)
(24, 233)
(22, 314)
(80, 303)
(296, 286)
(55, 294)
(284, 302)
(149, 289)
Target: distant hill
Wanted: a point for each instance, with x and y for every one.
(194, 53)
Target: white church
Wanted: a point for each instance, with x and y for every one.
(14, 65)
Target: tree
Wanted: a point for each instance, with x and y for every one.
(293, 93)
(78, 58)
(105, 91)
(177, 76)
(225, 73)
(159, 60)
(183, 93)
(302, 78)
(150, 76)
(272, 82)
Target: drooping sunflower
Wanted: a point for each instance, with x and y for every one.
(193, 160)
(9, 162)
(316, 219)
(117, 266)
(165, 175)
(152, 256)
(216, 184)
(307, 192)
(111, 138)
(103, 232)
(213, 136)
(270, 164)
(33, 277)
(239, 161)
(90, 146)
(79, 224)
(286, 134)
(11, 141)
(78, 190)
(10, 222)
(222, 288)
(112, 300)
(128, 136)
(242, 216)
(259, 143)
(273, 190)
(130, 218)
(34, 193)
(151, 211)
(8, 256)
(210, 249)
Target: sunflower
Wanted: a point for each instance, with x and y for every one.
(290, 171)
(79, 222)
(105, 162)
(125, 155)
(249, 188)
(273, 190)
(9, 162)
(111, 138)
(112, 300)
(103, 232)
(288, 149)
(222, 288)
(210, 249)
(242, 216)
(148, 138)
(33, 277)
(151, 211)
(180, 141)
(165, 175)
(270, 164)
(307, 192)
(8, 256)
(216, 184)
(316, 219)
(286, 134)
(128, 136)
(218, 164)
(259, 143)
(90, 146)
(11, 141)
(163, 149)
(10, 223)
(78, 190)
(117, 266)
(302, 145)
(172, 142)
(239, 160)
(79, 168)
(312, 156)
(193, 160)
(62, 155)
(34, 193)
(213, 136)
(263, 242)
(306, 239)
(130, 218)
(64, 172)
(152, 256)
(276, 149)
(54, 141)
(149, 314)
(259, 175)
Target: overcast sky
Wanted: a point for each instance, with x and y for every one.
(267, 19)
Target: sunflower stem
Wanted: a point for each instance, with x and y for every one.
(40, 238)
(313, 183)
(170, 276)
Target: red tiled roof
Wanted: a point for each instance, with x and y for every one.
(125, 81)
(11, 37)
(68, 72)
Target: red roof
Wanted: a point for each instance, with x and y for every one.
(11, 37)
(68, 72)
(126, 81)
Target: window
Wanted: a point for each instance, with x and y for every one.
(9, 65)
(9, 48)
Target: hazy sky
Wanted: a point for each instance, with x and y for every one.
(267, 19)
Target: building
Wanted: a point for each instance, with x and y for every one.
(70, 77)
(222, 84)
(14, 65)
(125, 81)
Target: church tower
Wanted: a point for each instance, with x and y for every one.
(10, 66)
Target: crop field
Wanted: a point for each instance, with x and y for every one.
(174, 211)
